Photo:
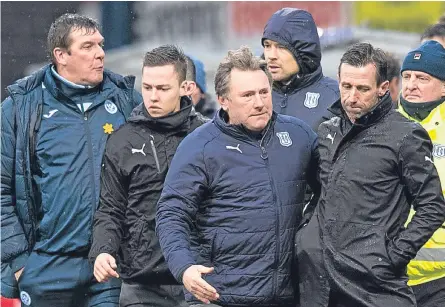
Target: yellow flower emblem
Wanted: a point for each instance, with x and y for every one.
(108, 128)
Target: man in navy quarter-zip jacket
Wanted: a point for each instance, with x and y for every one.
(238, 184)
(54, 127)
(136, 161)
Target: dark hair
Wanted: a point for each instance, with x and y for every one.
(191, 70)
(393, 66)
(242, 59)
(61, 28)
(168, 55)
(362, 54)
(437, 29)
(441, 19)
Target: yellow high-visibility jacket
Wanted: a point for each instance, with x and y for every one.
(429, 263)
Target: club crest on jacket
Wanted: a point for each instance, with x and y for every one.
(110, 107)
(311, 100)
(284, 138)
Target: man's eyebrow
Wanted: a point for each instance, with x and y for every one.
(246, 92)
(155, 85)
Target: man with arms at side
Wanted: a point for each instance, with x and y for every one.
(423, 100)
(136, 161)
(54, 127)
(240, 180)
(374, 165)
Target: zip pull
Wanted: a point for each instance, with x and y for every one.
(283, 102)
(264, 155)
(155, 154)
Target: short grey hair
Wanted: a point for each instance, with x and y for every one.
(242, 59)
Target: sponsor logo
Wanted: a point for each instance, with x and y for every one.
(234, 148)
(50, 113)
(135, 150)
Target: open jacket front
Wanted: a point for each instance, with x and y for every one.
(356, 243)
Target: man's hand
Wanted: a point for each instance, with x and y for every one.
(18, 274)
(104, 267)
(197, 286)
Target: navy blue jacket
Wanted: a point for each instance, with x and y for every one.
(51, 163)
(309, 94)
(245, 197)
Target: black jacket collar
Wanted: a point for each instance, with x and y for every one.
(176, 121)
(384, 106)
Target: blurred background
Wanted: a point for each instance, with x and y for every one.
(206, 30)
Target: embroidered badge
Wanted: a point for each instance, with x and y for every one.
(311, 100)
(110, 107)
(439, 151)
(25, 298)
(284, 138)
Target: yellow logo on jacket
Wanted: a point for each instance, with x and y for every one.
(108, 128)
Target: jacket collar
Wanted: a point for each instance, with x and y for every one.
(111, 81)
(298, 82)
(419, 111)
(28, 83)
(383, 107)
(239, 131)
(177, 121)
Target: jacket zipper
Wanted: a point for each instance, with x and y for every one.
(155, 154)
(90, 160)
(265, 157)
(28, 173)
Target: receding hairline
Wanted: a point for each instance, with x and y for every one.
(248, 70)
(361, 66)
(84, 32)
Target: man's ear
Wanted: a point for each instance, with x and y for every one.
(443, 89)
(224, 103)
(383, 88)
(187, 88)
(60, 56)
